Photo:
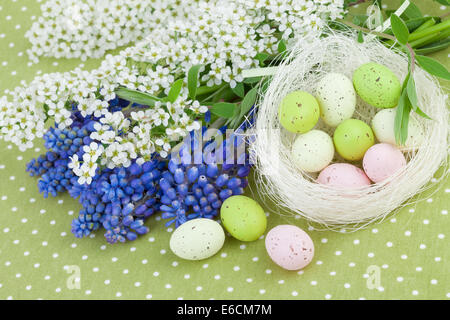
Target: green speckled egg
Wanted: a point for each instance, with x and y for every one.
(377, 85)
(197, 239)
(243, 218)
(299, 112)
(352, 138)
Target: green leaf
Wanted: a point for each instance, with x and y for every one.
(281, 46)
(252, 80)
(192, 80)
(402, 119)
(175, 90)
(248, 102)
(360, 37)
(261, 57)
(239, 90)
(444, 2)
(433, 47)
(359, 19)
(137, 96)
(223, 109)
(412, 11)
(412, 96)
(399, 29)
(433, 67)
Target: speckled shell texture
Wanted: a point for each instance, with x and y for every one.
(290, 247)
(197, 239)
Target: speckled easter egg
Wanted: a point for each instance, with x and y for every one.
(377, 85)
(382, 161)
(299, 112)
(243, 218)
(352, 138)
(312, 151)
(289, 247)
(197, 239)
(383, 128)
(336, 97)
(343, 176)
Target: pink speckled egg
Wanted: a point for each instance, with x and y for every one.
(343, 176)
(382, 161)
(289, 247)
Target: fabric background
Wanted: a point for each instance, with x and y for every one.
(409, 250)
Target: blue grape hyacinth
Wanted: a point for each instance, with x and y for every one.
(202, 176)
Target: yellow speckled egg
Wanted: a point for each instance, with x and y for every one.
(336, 97)
(243, 218)
(299, 112)
(377, 85)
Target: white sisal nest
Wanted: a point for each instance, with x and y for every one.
(287, 186)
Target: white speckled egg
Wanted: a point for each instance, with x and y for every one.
(336, 97)
(197, 239)
(383, 128)
(313, 151)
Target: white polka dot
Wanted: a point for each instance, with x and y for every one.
(351, 264)
(419, 269)
(156, 273)
(404, 256)
(441, 236)
(313, 283)
(426, 221)
(187, 276)
(262, 291)
(163, 251)
(223, 255)
(217, 276)
(149, 296)
(407, 233)
(338, 253)
(433, 281)
(374, 230)
(370, 254)
(205, 266)
(356, 241)
(332, 273)
(199, 288)
(389, 244)
(347, 285)
(294, 293)
(107, 282)
(242, 246)
(324, 240)
(230, 289)
(255, 259)
(114, 259)
(400, 279)
(328, 296)
(319, 262)
(145, 261)
(249, 280)
(268, 271)
(444, 212)
(415, 292)
(236, 268)
(422, 246)
(437, 259)
(118, 294)
(137, 284)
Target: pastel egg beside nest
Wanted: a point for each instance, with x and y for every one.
(289, 247)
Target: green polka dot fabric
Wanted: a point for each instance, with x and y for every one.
(406, 256)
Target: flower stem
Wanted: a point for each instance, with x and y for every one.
(425, 25)
(430, 38)
(433, 29)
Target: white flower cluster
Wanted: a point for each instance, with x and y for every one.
(223, 36)
(88, 28)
